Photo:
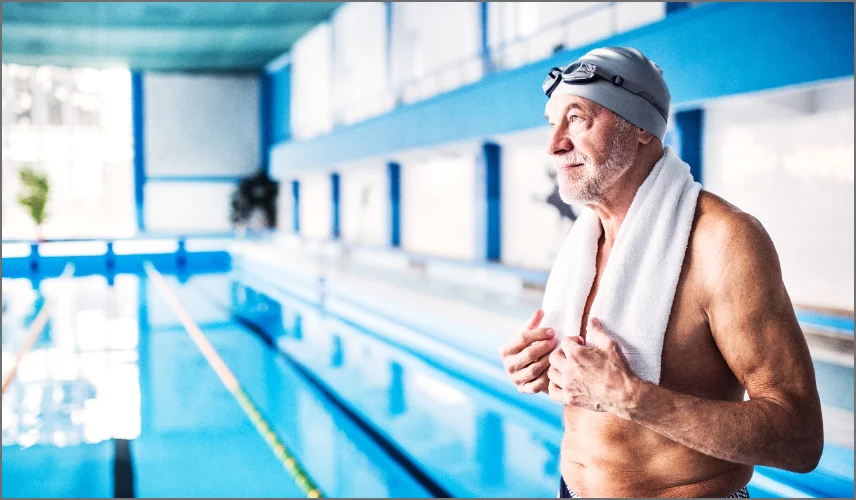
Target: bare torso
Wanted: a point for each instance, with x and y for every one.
(606, 456)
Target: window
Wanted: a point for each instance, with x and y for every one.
(74, 125)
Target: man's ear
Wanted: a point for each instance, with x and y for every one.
(643, 136)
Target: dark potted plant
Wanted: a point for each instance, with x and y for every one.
(254, 203)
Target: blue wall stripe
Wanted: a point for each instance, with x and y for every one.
(709, 51)
(334, 187)
(394, 175)
(295, 194)
(689, 127)
(138, 125)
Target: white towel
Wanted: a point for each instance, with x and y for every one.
(637, 288)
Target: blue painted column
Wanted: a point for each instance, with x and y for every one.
(394, 174)
(137, 107)
(689, 130)
(488, 203)
(334, 187)
(487, 66)
(295, 194)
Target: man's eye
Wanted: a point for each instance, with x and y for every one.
(573, 118)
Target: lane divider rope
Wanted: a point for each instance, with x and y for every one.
(282, 453)
(35, 331)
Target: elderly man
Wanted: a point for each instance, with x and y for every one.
(664, 309)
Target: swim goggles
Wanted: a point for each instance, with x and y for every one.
(585, 71)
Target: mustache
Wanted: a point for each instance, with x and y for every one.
(572, 159)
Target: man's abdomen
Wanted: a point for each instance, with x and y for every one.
(605, 456)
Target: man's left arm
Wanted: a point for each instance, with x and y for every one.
(753, 324)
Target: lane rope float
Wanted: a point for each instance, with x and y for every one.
(282, 453)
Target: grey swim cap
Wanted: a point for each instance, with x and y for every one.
(626, 82)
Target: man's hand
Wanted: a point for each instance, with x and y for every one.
(525, 356)
(596, 378)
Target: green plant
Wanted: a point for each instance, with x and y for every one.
(35, 195)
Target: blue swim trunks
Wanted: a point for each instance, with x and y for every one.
(565, 492)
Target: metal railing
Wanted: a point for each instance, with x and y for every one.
(554, 37)
(551, 38)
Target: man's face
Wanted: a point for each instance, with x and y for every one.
(591, 146)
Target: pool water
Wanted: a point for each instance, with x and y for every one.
(115, 363)
(116, 398)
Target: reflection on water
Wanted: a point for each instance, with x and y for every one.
(80, 382)
(469, 440)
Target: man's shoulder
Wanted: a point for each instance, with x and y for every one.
(726, 239)
(721, 226)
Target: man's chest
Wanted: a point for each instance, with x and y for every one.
(691, 361)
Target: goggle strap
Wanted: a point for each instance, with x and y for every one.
(629, 86)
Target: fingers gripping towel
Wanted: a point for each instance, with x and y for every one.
(637, 288)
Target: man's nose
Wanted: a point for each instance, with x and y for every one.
(560, 143)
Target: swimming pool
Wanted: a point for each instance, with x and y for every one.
(116, 398)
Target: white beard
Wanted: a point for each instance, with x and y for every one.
(589, 182)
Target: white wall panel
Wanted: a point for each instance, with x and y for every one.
(359, 56)
(316, 215)
(201, 125)
(438, 207)
(311, 87)
(630, 15)
(532, 229)
(523, 32)
(190, 207)
(436, 47)
(364, 205)
(285, 208)
(788, 160)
